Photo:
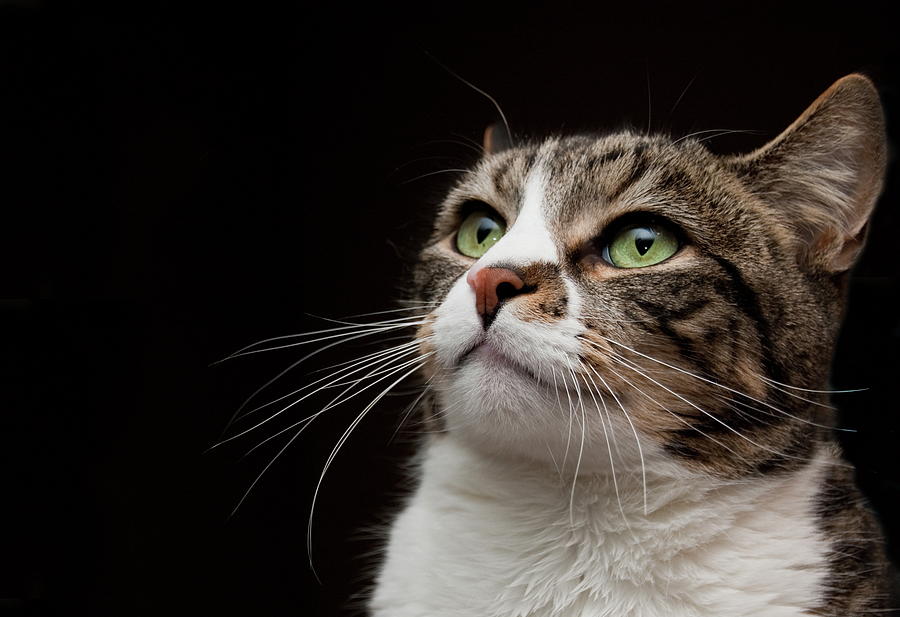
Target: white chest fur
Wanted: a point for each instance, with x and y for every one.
(483, 537)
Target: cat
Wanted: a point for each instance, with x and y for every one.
(627, 343)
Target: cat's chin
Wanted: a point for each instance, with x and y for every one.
(489, 384)
(502, 408)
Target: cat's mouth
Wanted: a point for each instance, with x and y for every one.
(487, 353)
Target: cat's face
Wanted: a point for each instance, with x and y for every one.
(642, 294)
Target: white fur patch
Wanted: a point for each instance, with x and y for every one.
(528, 240)
(488, 537)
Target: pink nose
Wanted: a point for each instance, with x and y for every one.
(492, 286)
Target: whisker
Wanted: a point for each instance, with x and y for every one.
(553, 458)
(422, 159)
(719, 131)
(612, 465)
(784, 385)
(569, 438)
(444, 412)
(707, 414)
(265, 469)
(378, 372)
(435, 173)
(337, 400)
(381, 322)
(580, 450)
(478, 150)
(316, 332)
(237, 415)
(670, 412)
(410, 408)
(373, 330)
(478, 90)
(394, 310)
(709, 381)
(681, 96)
(477, 147)
(630, 423)
(337, 448)
(408, 343)
(347, 366)
(304, 397)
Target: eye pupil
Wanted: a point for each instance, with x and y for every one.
(643, 240)
(485, 227)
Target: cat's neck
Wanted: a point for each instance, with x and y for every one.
(524, 539)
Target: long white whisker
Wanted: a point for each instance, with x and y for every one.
(719, 134)
(394, 310)
(265, 469)
(434, 173)
(337, 448)
(237, 415)
(580, 450)
(407, 343)
(383, 322)
(326, 338)
(783, 387)
(604, 410)
(338, 384)
(283, 337)
(706, 413)
(670, 412)
(720, 131)
(612, 464)
(456, 142)
(410, 408)
(704, 379)
(681, 96)
(630, 423)
(381, 363)
(479, 91)
(366, 360)
(337, 400)
(469, 142)
(571, 413)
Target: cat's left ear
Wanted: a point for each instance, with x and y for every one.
(826, 171)
(496, 139)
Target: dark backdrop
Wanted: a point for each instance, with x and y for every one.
(178, 183)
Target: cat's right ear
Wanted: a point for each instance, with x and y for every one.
(496, 139)
(825, 172)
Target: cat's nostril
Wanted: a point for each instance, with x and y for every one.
(506, 290)
(492, 287)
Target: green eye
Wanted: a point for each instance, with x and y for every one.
(479, 232)
(636, 246)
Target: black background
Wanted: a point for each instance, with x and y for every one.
(177, 183)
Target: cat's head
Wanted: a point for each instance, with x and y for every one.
(643, 290)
